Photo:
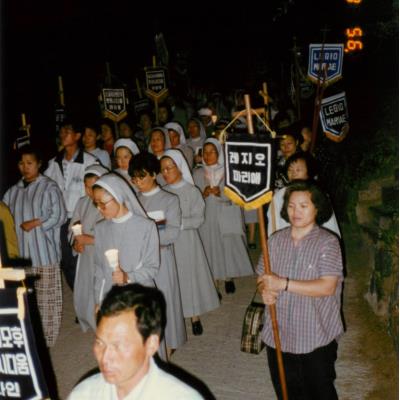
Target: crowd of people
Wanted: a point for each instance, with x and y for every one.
(146, 206)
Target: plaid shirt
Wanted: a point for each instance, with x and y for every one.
(305, 323)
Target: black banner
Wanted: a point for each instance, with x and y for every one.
(334, 117)
(156, 82)
(141, 105)
(249, 169)
(21, 375)
(114, 103)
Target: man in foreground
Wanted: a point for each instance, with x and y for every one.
(130, 324)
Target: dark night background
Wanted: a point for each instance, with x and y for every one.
(227, 47)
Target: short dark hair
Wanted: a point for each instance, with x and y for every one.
(92, 126)
(74, 125)
(110, 124)
(31, 150)
(147, 303)
(319, 199)
(143, 163)
(310, 161)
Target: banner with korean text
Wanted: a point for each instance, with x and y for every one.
(249, 169)
(21, 375)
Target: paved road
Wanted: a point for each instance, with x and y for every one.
(215, 358)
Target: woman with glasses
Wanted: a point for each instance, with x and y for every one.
(222, 233)
(87, 215)
(127, 229)
(198, 291)
(163, 208)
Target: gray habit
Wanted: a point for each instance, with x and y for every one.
(198, 291)
(136, 238)
(223, 234)
(88, 215)
(167, 278)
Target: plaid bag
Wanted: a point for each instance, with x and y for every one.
(252, 326)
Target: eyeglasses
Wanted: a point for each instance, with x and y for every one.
(102, 205)
(167, 169)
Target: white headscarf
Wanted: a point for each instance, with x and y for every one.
(203, 134)
(129, 143)
(174, 126)
(214, 174)
(181, 163)
(96, 169)
(122, 192)
(167, 142)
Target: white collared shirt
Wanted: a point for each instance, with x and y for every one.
(156, 384)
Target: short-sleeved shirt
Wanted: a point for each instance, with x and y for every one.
(305, 322)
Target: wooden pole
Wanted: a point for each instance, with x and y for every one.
(264, 94)
(317, 106)
(61, 91)
(10, 274)
(296, 79)
(267, 269)
(108, 74)
(154, 61)
(322, 73)
(25, 127)
(139, 90)
(156, 108)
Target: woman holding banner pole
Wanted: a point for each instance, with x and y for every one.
(305, 285)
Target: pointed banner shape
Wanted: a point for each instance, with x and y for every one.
(249, 169)
(21, 374)
(328, 58)
(114, 102)
(156, 82)
(334, 117)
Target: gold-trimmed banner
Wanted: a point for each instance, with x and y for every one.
(257, 203)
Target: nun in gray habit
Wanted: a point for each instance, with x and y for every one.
(87, 215)
(126, 228)
(163, 207)
(198, 291)
(223, 233)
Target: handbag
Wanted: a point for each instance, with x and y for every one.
(252, 326)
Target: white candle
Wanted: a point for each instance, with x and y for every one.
(77, 229)
(112, 257)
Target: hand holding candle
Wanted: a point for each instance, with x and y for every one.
(159, 218)
(76, 229)
(112, 258)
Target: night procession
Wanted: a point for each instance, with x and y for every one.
(199, 200)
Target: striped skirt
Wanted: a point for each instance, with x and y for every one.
(49, 300)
